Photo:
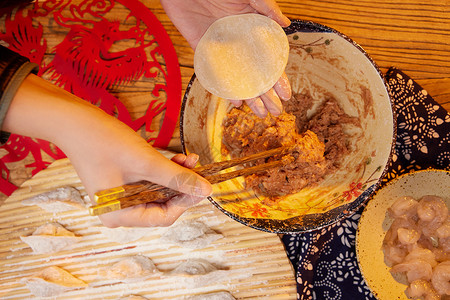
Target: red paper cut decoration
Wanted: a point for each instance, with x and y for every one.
(84, 64)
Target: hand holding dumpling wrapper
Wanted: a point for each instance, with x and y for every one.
(243, 57)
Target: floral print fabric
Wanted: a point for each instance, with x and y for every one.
(325, 260)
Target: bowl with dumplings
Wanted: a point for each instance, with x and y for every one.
(339, 122)
(403, 237)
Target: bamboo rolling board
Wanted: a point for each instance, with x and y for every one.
(255, 262)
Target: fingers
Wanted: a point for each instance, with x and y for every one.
(179, 158)
(171, 210)
(177, 176)
(150, 214)
(188, 161)
(272, 102)
(186, 180)
(257, 106)
(191, 160)
(283, 88)
(236, 103)
(166, 212)
(271, 9)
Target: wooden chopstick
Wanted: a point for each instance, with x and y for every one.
(206, 171)
(213, 168)
(144, 192)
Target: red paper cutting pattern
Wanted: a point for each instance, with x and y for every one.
(84, 63)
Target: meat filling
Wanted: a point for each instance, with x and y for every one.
(319, 141)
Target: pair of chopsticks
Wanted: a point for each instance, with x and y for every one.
(140, 192)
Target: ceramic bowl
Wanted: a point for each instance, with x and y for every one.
(374, 224)
(321, 61)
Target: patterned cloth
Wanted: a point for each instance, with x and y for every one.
(325, 260)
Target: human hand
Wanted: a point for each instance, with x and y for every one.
(104, 151)
(156, 213)
(113, 155)
(193, 17)
(270, 101)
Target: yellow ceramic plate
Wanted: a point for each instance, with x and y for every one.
(374, 223)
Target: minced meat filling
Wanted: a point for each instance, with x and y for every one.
(319, 143)
(327, 123)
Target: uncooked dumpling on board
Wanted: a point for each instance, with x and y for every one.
(213, 296)
(190, 234)
(52, 281)
(58, 200)
(123, 235)
(50, 238)
(197, 272)
(130, 269)
(194, 266)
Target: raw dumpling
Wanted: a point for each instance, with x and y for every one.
(123, 235)
(50, 238)
(213, 296)
(190, 234)
(130, 269)
(52, 281)
(194, 267)
(58, 200)
(198, 272)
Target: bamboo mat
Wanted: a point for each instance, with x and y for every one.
(254, 262)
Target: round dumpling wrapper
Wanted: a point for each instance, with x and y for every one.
(241, 56)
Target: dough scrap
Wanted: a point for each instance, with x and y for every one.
(58, 200)
(241, 56)
(52, 281)
(130, 269)
(213, 296)
(190, 234)
(50, 238)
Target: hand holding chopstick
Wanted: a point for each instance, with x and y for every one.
(144, 192)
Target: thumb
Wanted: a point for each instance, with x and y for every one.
(270, 9)
(189, 182)
(179, 178)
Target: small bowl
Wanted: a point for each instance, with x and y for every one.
(321, 60)
(374, 224)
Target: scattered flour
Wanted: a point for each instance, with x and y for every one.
(123, 235)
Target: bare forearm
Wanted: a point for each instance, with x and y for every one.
(42, 110)
(86, 134)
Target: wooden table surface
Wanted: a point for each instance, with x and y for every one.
(412, 35)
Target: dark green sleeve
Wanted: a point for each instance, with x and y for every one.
(13, 3)
(14, 68)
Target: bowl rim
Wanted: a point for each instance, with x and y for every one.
(298, 25)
